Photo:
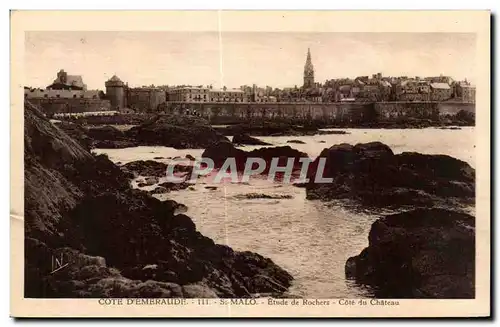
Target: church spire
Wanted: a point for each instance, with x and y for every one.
(308, 71)
(308, 60)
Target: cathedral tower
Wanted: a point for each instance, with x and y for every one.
(308, 71)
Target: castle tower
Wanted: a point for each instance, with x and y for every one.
(62, 76)
(308, 71)
(115, 92)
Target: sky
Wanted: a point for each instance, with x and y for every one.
(233, 59)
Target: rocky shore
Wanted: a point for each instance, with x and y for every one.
(424, 253)
(275, 128)
(119, 242)
(372, 175)
(89, 212)
(220, 151)
(180, 132)
(245, 139)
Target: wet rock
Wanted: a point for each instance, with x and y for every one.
(170, 186)
(198, 290)
(83, 205)
(223, 150)
(424, 253)
(262, 196)
(270, 128)
(146, 168)
(451, 127)
(245, 139)
(105, 132)
(180, 132)
(151, 180)
(372, 175)
(109, 137)
(77, 132)
(296, 141)
(159, 190)
(333, 132)
(114, 144)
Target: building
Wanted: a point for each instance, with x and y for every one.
(139, 99)
(67, 94)
(64, 87)
(67, 82)
(115, 93)
(227, 95)
(189, 94)
(308, 71)
(465, 92)
(440, 91)
(144, 99)
(206, 94)
(413, 90)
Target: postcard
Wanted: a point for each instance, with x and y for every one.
(250, 164)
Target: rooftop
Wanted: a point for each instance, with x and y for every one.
(443, 86)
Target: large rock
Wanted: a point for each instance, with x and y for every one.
(181, 132)
(223, 150)
(424, 253)
(126, 243)
(372, 175)
(155, 168)
(110, 137)
(245, 139)
(104, 137)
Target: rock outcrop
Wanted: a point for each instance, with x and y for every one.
(373, 175)
(274, 128)
(424, 253)
(245, 139)
(117, 241)
(223, 150)
(180, 132)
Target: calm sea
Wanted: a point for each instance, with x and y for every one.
(310, 239)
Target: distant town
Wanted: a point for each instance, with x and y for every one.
(72, 95)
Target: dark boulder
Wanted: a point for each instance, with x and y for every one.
(269, 128)
(372, 175)
(424, 253)
(77, 132)
(180, 132)
(114, 144)
(223, 150)
(296, 141)
(105, 132)
(146, 168)
(245, 139)
(83, 206)
(170, 186)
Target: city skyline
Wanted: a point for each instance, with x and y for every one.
(233, 59)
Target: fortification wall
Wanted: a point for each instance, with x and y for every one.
(446, 108)
(290, 111)
(66, 94)
(72, 105)
(351, 112)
